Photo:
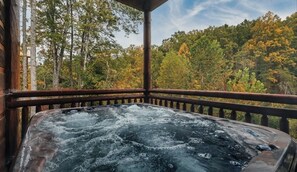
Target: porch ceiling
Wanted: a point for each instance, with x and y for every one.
(143, 5)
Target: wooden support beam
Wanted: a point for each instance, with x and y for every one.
(147, 55)
(12, 76)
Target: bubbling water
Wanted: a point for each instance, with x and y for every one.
(140, 138)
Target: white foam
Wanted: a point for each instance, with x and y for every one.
(133, 135)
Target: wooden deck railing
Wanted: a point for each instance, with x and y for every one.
(221, 104)
(44, 100)
(248, 103)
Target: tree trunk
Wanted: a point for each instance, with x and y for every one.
(55, 73)
(82, 53)
(24, 46)
(71, 44)
(33, 45)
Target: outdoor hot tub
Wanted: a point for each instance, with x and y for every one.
(143, 137)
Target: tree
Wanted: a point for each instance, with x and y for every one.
(244, 81)
(174, 72)
(80, 30)
(130, 71)
(157, 58)
(184, 51)
(208, 64)
(174, 42)
(33, 45)
(270, 47)
(291, 22)
(24, 46)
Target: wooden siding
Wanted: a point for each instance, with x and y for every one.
(9, 80)
(2, 87)
(12, 76)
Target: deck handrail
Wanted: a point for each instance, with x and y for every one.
(271, 98)
(190, 100)
(183, 99)
(280, 112)
(41, 93)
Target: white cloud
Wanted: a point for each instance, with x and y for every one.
(178, 15)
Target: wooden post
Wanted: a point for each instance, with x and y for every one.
(221, 113)
(147, 55)
(192, 107)
(264, 120)
(284, 125)
(166, 103)
(210, 111)
(248, 117)
(160, 102)
(38, 108)
(12, 78)
(201, 109)
(51, 106)
(171, 104)
(233, 115)
(25, 120)
(184, 107)
(177, 105)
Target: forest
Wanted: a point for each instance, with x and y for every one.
(71, 44)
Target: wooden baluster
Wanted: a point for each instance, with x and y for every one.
(171, 104)
(62, 105)
(135, 100)
(184, 106)
(100, 102)
(152, 101)
(129, 100)
(108, 102)
(201, 109)
(51, 107)
(222, 113)
(92, 103)
(192, 107)
(141, 100)
(83, 104)
(160, 102)
(25, 121)
(38, 108)
(284, 125)
(210, 111)
(264, 120)
(123, 101)
(248, 117)
(73, 104)
(116, 101)
(177, 105)
(166, 103)
(233, 115)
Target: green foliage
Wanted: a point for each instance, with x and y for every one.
(174, 72)
(157, 58)
(208, 64)
(91, 28)
(253, 56)
(244, 81)
(270, 47)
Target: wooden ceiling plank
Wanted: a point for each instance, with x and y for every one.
(143, 5)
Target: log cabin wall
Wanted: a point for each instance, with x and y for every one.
(2, 88)
(9, 80)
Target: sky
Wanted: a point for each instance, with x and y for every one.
(187, 15)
